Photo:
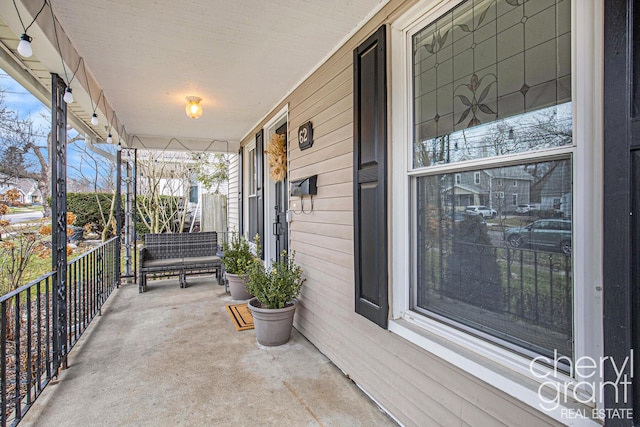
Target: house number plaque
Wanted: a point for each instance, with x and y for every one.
(305, 136)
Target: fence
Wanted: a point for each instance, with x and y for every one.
(28, 325)
(523, 296)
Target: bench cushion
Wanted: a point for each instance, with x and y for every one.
(212, 259)
(166, 262)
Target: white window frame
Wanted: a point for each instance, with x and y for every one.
(250, 176)
(476, 178)
(458, 178)
(479, 358)
(514, 199)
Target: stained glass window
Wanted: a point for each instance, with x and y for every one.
(492, 77)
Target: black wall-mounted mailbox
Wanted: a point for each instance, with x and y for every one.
(305, 187)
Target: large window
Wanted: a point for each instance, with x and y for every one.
(491, 93)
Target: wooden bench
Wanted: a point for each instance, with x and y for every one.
(178, 254)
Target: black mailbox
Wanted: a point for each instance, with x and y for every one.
(305, 187)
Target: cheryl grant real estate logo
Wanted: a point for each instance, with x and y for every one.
(586, 387)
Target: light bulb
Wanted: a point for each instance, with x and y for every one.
(94, 119)
(68, 96)
(109, 138)
(24, 47)
(193, 107)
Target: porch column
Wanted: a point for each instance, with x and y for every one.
(118, 212)
(130, 215)
(58, 155)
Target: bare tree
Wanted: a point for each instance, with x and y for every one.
(164, 182)
(97, 172)
(211, 170)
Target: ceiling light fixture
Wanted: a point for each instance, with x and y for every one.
(193, 107)
(109, 138)
(94, 119)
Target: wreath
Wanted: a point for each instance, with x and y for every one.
(277, 151)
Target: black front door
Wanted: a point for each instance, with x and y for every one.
(280, 225)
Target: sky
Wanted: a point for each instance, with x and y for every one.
(26, 105)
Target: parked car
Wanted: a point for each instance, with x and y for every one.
(458, 217)
(526, 208)
(554, 234)
(483, 211)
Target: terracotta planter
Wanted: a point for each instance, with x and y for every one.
(272, 325)
(237, 287)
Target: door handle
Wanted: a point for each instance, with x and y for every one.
(277, 229)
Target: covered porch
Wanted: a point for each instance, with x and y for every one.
(171, 356)
(163, 357)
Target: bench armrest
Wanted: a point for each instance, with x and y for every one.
(142, 254)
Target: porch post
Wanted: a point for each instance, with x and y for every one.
(134, 214)
(128, 225)
(118, 212)
(58, 154)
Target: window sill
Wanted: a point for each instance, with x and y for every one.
(497, 367)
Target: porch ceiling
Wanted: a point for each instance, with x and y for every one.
(240, 57)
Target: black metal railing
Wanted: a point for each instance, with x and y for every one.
(521, 295)
(91, 278)
(28, 324)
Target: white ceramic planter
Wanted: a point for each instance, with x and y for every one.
(273, 325)
(237, 287)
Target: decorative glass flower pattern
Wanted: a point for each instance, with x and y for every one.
(437, 42)
(475, 103)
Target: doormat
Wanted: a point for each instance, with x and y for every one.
(240, 316)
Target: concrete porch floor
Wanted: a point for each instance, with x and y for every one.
(171, 356)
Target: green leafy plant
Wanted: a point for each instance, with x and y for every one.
(278, 285)
(237, 256)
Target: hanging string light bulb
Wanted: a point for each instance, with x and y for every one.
(94, 119)
(68, 96)
(24, 46)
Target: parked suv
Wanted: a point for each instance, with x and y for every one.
(483, 211)
(552, 234)
(526, 208)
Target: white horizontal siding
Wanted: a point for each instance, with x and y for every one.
(418, 388)
(232, 199)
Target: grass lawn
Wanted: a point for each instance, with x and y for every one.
(14, 210)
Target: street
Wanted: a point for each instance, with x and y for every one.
(23, 217)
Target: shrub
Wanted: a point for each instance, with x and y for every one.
(87, 206)
(473, 274)
(278, 285)
(237, 256)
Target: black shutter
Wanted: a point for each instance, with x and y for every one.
(240, 191)
(369, 178)
(621, 265)
(260, 189)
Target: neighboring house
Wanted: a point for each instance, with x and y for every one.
(500, 189)
(556, 192)
(27, 187)
(509, 187)
(376, 300)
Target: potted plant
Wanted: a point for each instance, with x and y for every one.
(276, 290)
(237, 259)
